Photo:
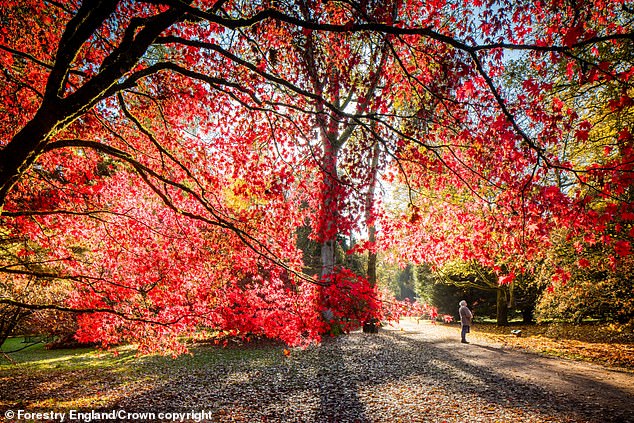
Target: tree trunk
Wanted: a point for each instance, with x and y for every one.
(528, 313)
(372, 325)
(369, 213)
(58, 111)
(22, 151)
(329, 213)
(372, 257)
(327, 257)
(502, 307)
(11, 316)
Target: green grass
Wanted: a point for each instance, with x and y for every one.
(38, 358)
(108, 376)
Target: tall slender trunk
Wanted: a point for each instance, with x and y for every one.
(369, 212)
(329, 213)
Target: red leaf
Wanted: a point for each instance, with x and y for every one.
(583, 263)
(622, 248)
(507, 279)
(573, 35)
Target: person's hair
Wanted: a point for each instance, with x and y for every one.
(463, 303)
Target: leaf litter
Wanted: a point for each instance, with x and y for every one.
(413, 373)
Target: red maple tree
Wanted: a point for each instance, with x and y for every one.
(160, 154)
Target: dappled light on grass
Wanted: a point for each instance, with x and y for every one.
(40, 358)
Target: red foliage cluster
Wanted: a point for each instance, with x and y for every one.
(157, 157)
(346, 301)
(394, 310)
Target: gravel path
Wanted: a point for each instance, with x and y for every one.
(411, 373)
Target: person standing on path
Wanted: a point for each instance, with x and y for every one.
(465, 320)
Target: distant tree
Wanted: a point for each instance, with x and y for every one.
(445, 296)
(595, 282)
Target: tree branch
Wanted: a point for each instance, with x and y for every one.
(223, 222)
(57, 307)
(79, 29)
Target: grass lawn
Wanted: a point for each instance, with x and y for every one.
(37, 357)
(95, 378)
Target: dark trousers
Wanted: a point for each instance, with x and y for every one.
(465, 331)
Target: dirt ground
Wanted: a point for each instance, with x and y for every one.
(412, 372)
(608, 389)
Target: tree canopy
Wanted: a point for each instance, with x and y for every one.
(157, 157)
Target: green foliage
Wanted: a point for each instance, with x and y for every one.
(446, 296)
(478, 286)
(404, 285)
(587, 284)
(607, 299)
(311, 250)
(312, 253)
(400, 282)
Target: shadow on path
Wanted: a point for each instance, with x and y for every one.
(563, 387)
(391, 376)
(338, 390)
(418, 375)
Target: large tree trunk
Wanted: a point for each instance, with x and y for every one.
(502, 307)
(329, 213)
(327, 258)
